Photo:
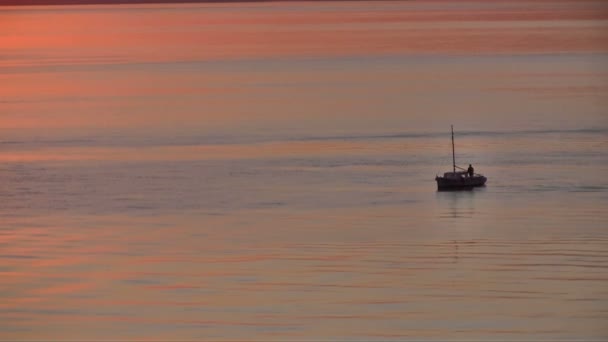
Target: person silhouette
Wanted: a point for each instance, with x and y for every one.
(471, 170)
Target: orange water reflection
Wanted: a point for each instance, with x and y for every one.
(336, 237)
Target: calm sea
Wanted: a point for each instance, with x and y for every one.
(266, 171)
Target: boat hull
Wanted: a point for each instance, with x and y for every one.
(460, 183)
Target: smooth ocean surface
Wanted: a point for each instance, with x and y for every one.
(266, 171)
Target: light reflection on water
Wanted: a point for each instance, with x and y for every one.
(330, 247)
(272, 177)
(383, 282)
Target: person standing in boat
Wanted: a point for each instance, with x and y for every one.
(471, 171)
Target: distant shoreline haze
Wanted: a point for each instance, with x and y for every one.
(117, 2)
(111, 2)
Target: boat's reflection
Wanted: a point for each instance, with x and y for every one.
(458, 204)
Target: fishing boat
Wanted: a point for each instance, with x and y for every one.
(464, 179)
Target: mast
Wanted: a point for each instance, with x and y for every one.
(453, 153)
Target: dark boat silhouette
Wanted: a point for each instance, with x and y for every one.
(459, 180)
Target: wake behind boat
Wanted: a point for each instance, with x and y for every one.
(459, 180)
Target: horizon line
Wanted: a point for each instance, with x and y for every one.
(142, 2)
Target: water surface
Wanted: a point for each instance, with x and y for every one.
(265, 171)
